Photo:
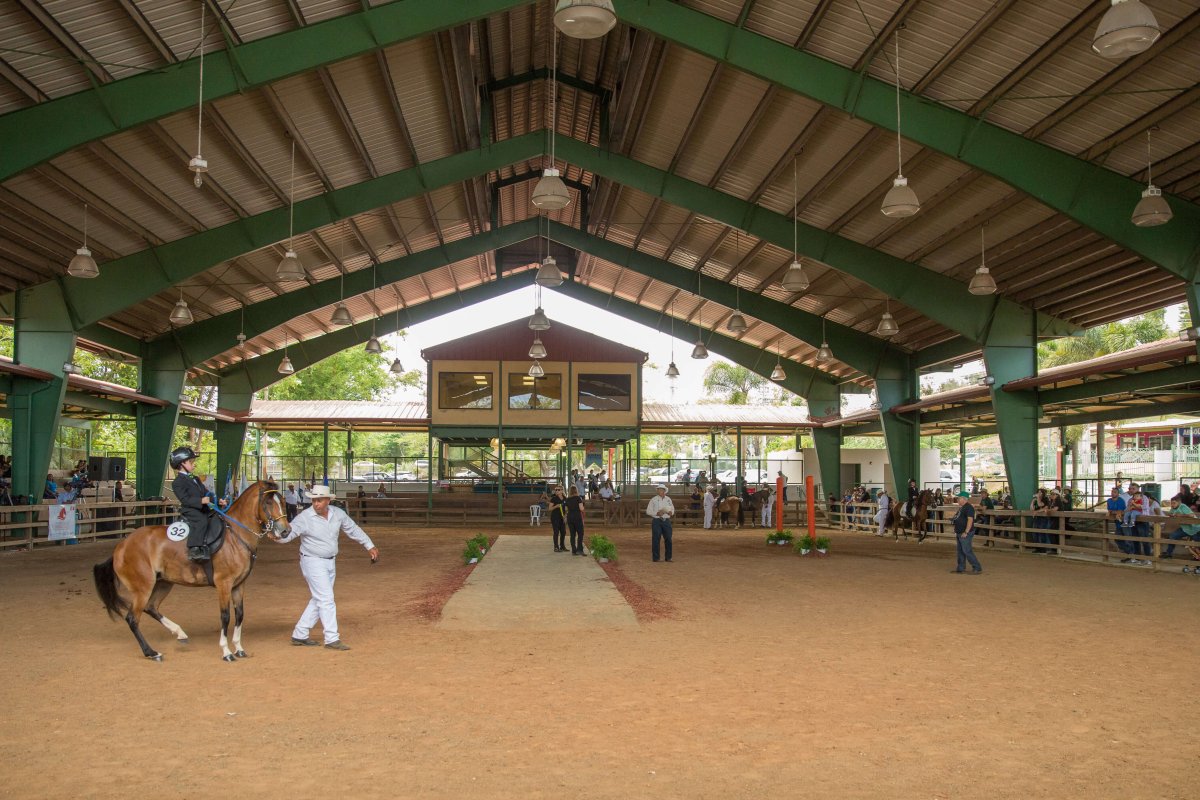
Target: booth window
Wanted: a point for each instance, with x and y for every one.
(464, 390)
(604, 392)
(534, 394)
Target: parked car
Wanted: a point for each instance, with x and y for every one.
(405, 476)
(753, 476)
(374, 477)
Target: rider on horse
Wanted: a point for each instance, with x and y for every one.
(910, 508)
(195, 504)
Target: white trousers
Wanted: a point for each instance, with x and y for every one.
(708, 514)
(320, 574)
(766, 514)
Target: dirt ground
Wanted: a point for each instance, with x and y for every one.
(870, 673)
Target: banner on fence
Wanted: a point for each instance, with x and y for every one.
(592, 455)
(62, 522)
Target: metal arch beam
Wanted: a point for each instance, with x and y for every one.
(867, 354)
(138, 276)
(75, 119)
(208, 338)
(937, 296)
(1080, 190)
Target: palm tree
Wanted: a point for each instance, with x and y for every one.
(732, 383)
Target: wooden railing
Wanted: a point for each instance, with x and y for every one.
(28, 526)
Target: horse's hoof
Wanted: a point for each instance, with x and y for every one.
(155, 656)
(184, 641)
(228, 658)
(241, 654)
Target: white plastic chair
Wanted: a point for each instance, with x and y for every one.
(535, 515)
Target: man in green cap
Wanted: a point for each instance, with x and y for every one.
(964, 534)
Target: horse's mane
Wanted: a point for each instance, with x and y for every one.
(266, 486)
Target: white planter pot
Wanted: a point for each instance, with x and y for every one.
(804, 552)
(773, 541)
(783, 543)
(602, 560)
(473, 561)
(483, 551)
(822, 551)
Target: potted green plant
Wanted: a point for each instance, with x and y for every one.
(781, 538)
(480, 540)
(822, 544)
(471, 553)
(804, 545)
(603, 549)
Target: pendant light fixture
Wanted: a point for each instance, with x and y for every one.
(548, 274)
(536, 371)
(241, 337)
(585, 19)
(672, 370)
(198, 165)
(537, 350)
(290, 268)
(539, 321)
(285, 366)
(823, 352)
(983, 282)
(181, 314)
(736, 323)
(550, 193)
(699, 351)
(1126, 29)
(397, 368)
(373, 345)
(887, 323)
(83, 265)
(778, 374)
(795, 279)
(1153, 208)
(901, 200)
(341, 314)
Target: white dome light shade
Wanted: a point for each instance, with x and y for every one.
(901, 200)
(824, 353)
(181, 314)
(548, 274)
(285, 366)
(982, 282)
(887, 325)
(551, 193)
(699, 351)
(536, 371)
(341, 315)
(83, 265)
(199, 166)
(795, 279)
(585, 19)
(539, 321)
(290, 268)
(1152, 209)
(1128, 28)
(537, 349)
(373, 345)
(397, 368)
(736, 324)
(778, 374)
(672, 370)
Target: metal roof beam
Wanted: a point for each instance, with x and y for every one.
(67, 122)
(1140, 381)
(938, 297)
(126, 281)
(1085, 192)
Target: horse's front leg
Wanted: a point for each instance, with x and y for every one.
(224, 598)
(238, 652)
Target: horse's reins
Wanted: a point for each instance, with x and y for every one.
(263, 506)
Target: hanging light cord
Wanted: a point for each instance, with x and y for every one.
(553, 93)
(1149, 177)
(899, 152)
(200, 100)
(795, 212)
(292, 198)
(85, 226)
(982, 245)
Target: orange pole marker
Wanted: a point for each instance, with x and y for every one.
(810, 501)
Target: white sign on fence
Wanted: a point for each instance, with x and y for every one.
(62, 522)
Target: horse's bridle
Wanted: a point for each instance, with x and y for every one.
(269, 524)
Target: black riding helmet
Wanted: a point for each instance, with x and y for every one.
(180, 455)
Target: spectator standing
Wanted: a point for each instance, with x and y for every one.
(291, 502)
(575, 521)
(964, 534)
(710, 501)
(558, 519)
(881, 514)
(766, 503)
(660, 509)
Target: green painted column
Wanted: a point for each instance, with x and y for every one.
(1193, 301)
(1016, 417)
(163, 374)
(828, 443)
(962, 462)
(234, 396)
(901, 432)
(45, 340)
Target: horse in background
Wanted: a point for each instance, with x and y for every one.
(898, 521)
(730, 505)
(146, 565)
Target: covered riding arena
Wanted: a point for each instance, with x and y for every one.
(199, 198)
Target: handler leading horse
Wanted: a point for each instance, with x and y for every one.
(147, 565)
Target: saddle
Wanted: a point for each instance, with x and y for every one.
(178, 531)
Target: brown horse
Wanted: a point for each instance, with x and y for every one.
(730, 505)
(898, 522)
(147, 564)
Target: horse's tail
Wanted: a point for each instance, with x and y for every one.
(106, 586)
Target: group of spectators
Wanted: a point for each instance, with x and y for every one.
(1126, 506)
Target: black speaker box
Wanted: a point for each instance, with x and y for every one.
(106, 469)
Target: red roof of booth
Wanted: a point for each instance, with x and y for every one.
(510, 342)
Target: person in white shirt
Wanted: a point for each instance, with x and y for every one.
(885, 503)
(660, 509)
(710, 501)
(767, 498)
(292, 501)
(318, 527)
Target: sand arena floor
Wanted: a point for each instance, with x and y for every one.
(753, 673)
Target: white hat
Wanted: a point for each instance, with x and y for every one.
(660, 488)
(320, 490)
